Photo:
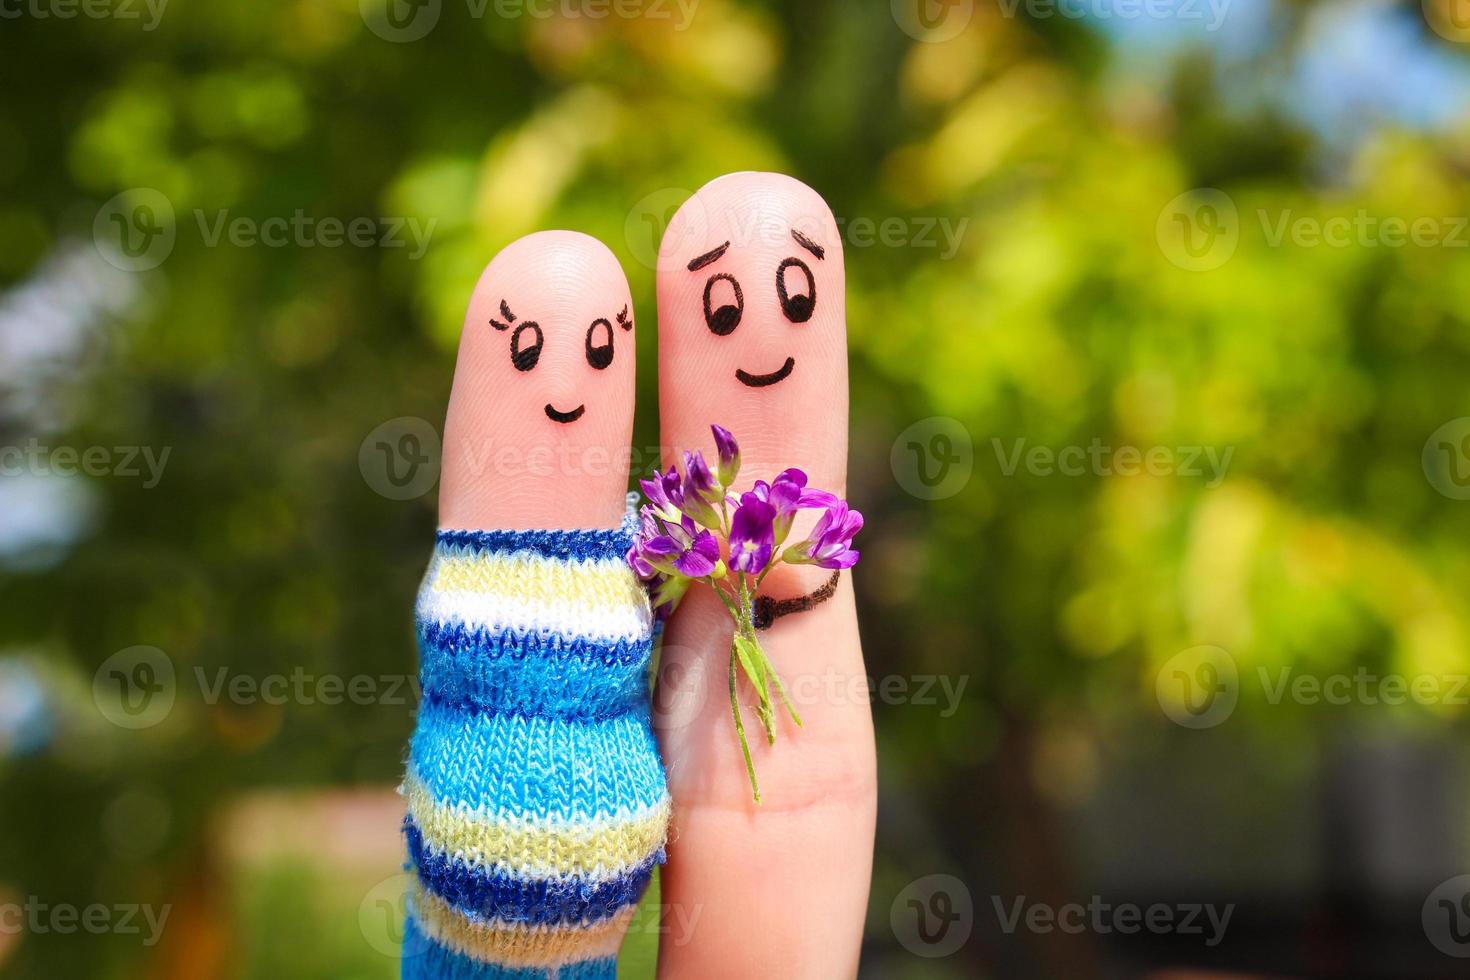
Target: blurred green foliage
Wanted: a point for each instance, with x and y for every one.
(1061, 317)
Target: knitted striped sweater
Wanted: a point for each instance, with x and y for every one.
(536, 800)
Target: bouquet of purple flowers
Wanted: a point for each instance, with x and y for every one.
(681, 529)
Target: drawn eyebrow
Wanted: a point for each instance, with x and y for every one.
(808, 244)
(505, 312)
(708, 257)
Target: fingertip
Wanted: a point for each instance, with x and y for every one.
(752, 325)
(541, 410)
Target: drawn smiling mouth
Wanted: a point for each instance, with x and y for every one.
(564, 417)
(762, 380)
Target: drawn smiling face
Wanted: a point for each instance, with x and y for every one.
(751, 309)
(527, 340)
(548, 341)
(752, 318)
(724, 300)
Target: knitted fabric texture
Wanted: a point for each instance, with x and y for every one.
(537, 807)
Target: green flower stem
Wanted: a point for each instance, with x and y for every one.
(753, 659)
(745, 648)
(781, 690)
(725, 598)
(740, 730)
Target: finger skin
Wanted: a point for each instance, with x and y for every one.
(507, 464)
(778, 888)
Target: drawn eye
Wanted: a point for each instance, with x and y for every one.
(798, 308)
(723, 318)
(600, 343)
(524, 356)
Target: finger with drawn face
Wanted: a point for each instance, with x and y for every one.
(541, 414)
(752, 317)
(536, 802)
(752, 336)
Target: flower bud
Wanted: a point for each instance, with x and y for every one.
(729, 465)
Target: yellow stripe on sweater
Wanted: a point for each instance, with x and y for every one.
(604, 848)
(516, 945)
(602, 584)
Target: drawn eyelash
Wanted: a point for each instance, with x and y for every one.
(505, 312)
(623, 320)
(808, 244)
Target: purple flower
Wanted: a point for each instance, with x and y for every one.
(700, 492)
(686, 549)
(672, 548)
(700, 558)
(786, 491)
(635, 559)
(830, 544)
(752, 535)
(816, 499)
(729, 452)
(664, 494)
(784, 494)
(641, 567)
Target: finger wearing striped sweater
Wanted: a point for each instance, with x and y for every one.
(536, 802)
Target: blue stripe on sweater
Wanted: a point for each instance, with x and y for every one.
(579, 545)
(575, 678)
(537, 767)
(424, 959)
(497, 894)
